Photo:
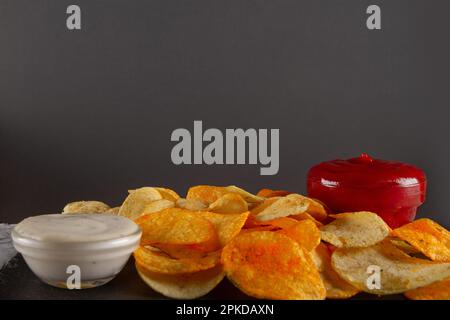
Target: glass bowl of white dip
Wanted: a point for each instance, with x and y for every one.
(78, 250)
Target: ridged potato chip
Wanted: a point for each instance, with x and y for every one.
(193, 205)
(136, 201)
(229, 203)
(183, 286)
(209, 194)
(290, 205)
(305, 233)
(336, 287)
(114, 211)
(156, 261)
(176, 226)
(157, 205)
(270, 265)
(398, 271)
(439, 290)
(227, 225)
(168, 194)
(269, 193)
(85, 207)
(307, 216)
(428, 237)
(355, 229)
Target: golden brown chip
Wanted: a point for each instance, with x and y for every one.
(157, 205)
(168, 194)
(178, 227)
(269, 193)
(85, 207)
(114, 211)
(270, 265)
(336, 287)
(227, 225)
(397, 272)
(278, 223)
(182, 286)
(307, 216)
(158, 262)
(305, 233)
(136, 201)
(439, 290)
(263, 205)
(229, 203)
(192, 205)
(428, 237)
(209, 194)
(290, 205)
(355, 229)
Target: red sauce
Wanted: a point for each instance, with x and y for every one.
(393, 190)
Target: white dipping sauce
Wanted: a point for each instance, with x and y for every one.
(75, 227)
(99, 245)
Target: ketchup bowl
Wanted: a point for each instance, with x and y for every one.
(76, 251)
(394, 190)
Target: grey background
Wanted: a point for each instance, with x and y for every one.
(88, 114)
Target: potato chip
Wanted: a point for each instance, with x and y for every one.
(263, 205)
(227, 225)
(404, 246)
(439, 290)
(398, 272)
(269, 193)
(85, 207)
(355, 229)
(136, 201)
(168, 194)
(270, 265)
(157, 205)
(209, 194)
(229, 203)
(193, 205)
(182, 286)
(336, 287)
(158, 262)
(278, 223)
(428, 237)
(114, 211)
(178, 227)
(307, 216)
(305, 233)
(283, 207)
(317, 209)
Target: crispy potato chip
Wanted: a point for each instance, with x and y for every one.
(317, 209)
(229, 203)
(404, 246)
(336, 287)
(278, 223)
(158, 262)
(182, 286)
(192, 205)
(439, 290)
(168, 194)
(263, 205)
(157, 205)
(269, 193)
(428, 237)
(270, 265)
(85, 207)
(178, 227)
(283, 207)
(209, 194)
(355, 229)
(398, 271)
(136, 201)
(114, 211)
(227, 225)
(307, 216)
(304, 232)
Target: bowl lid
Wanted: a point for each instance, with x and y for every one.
(365, 171)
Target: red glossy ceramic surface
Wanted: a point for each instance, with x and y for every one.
(393, 190)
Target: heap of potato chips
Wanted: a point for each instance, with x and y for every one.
(277, 245)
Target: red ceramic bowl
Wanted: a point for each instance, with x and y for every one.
(393, 190)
